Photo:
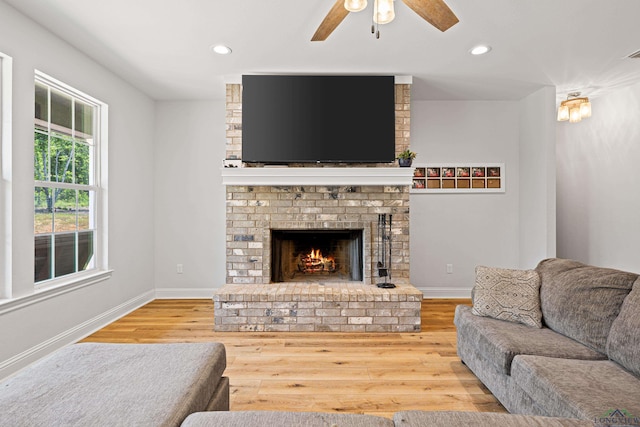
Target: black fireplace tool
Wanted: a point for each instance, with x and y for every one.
(384, 255)
(380, 231)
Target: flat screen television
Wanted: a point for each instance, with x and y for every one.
(334, 119)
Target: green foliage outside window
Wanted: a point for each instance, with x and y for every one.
(60, 159)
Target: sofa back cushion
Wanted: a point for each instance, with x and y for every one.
(582, 301)
(506, 294)
(623, 345)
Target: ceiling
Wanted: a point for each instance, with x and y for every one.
(163, 46)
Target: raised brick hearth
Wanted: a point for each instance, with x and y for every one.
(315, 307)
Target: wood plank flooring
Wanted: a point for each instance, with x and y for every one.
(377, 373)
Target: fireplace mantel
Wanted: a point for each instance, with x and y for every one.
(317, 176)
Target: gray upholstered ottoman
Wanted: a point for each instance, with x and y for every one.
(283, 419)
(93, 384)
(480, 419)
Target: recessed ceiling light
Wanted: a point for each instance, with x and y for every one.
(221, 49)
(480, 50)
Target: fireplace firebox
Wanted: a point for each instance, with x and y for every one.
(316, 255)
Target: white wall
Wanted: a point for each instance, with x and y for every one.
(37, 328)
(599, 184)
(189, 198)
(494, 229)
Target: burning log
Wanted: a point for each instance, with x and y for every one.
(314, 262)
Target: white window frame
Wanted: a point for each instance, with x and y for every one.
(100, 271)
(6, 69)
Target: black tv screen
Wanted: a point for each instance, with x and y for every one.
(298, 119)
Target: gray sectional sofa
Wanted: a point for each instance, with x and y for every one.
(159, 385)
(583, 363)
(400, 419)
(582, 368)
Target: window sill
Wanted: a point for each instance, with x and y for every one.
(54, 289)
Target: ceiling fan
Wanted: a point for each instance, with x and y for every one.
(435, 12)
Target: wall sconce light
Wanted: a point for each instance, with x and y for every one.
(574, 108)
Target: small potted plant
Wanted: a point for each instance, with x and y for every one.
(405, 158)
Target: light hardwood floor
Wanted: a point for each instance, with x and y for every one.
(376, 373)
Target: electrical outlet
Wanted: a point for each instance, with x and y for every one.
(449, 268)
(179, 268)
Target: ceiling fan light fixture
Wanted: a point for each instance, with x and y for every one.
(435, 12)
(355, 5)
(383, 11)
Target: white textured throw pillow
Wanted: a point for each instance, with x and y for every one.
(512, 295)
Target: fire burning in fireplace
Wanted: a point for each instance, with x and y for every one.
(314, 262)
(316, 255)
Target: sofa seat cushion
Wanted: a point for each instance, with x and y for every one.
(480, 419)
(623, 344)
(500, 341)
(586, 389)
(582, 301)
(92, 384)
(283, 419)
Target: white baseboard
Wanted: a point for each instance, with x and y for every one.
(436, 292)
(184, 293)
(78, 332)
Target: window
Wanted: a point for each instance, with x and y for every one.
(68, 193)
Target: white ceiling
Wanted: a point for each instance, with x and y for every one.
(162, 46)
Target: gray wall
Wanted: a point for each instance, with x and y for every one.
(599, 183)
(537, 210)
(460, 229)
(189, 198)
(514, 229)
(166, 204)
(37, 328)
(463, 229)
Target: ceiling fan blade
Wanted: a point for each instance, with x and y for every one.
(435, 12)
(331, 21)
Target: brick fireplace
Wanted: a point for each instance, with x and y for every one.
(255, 212)
(314, 201)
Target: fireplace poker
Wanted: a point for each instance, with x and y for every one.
(378, 237)
(386, 238)
(390, 241)
(382, 269)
